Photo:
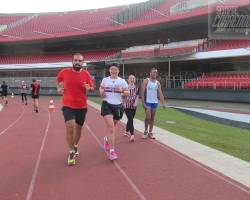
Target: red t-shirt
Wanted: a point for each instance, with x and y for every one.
(74, 95)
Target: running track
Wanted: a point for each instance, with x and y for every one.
(33, 156)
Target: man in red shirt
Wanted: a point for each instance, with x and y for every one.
(72, 83)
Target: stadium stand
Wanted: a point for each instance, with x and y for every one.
(175, 9)
(160, 11)
(173, 48)
(182, 47)
(228, 44)
(136, 12)
(9, 19)
(221, 81)
(52, 25)
(140, 51)
(29, 59)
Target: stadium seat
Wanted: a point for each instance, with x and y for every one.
(221, 81)
(89, 56)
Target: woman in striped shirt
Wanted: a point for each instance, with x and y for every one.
(130, 103)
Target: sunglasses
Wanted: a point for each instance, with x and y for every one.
(78, 60)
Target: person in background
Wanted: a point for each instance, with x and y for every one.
(130, 104)
(35, 89)
(151, 89)
(4, 88)
(23, 91)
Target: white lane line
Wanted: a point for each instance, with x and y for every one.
(11, 125)
(129, 180)
(221, 177)
(238, 117)
(35, 172)
(202, 167)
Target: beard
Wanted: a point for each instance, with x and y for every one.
(77, 67)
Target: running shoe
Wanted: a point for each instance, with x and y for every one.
(132, 138)
(106, 146)
(113, 155)
(145, 135)
(151, 136)
(71, 158)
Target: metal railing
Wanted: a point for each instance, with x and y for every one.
(48, 84)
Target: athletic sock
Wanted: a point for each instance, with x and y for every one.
(111, 150)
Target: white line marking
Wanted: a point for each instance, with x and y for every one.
(35, 172)
(196, 163)
(11, 125)
(131, 183)
(201, 166)
(238, 117)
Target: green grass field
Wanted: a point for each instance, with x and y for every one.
(231, 140)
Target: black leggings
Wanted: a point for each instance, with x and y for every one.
(24, 97)
(130, 113)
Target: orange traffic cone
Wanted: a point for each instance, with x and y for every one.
(51, 106)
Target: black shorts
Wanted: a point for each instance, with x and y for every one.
(35, 96)
(110, 109)
(74, 114)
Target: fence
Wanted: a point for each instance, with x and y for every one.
(48, 84)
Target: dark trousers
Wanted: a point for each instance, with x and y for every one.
(130, 113)
(24, 97)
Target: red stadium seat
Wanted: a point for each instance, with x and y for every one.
(221, 81)
(88, 56)
(51, 25)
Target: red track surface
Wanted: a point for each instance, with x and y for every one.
(33, 164)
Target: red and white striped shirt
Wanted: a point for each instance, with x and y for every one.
(129, 101)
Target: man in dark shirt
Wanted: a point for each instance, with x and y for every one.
(35, 88)
(4, 88)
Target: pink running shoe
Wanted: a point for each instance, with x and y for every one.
(113, 155)
(106, 145)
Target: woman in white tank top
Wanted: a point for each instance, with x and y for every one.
(151, 89)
